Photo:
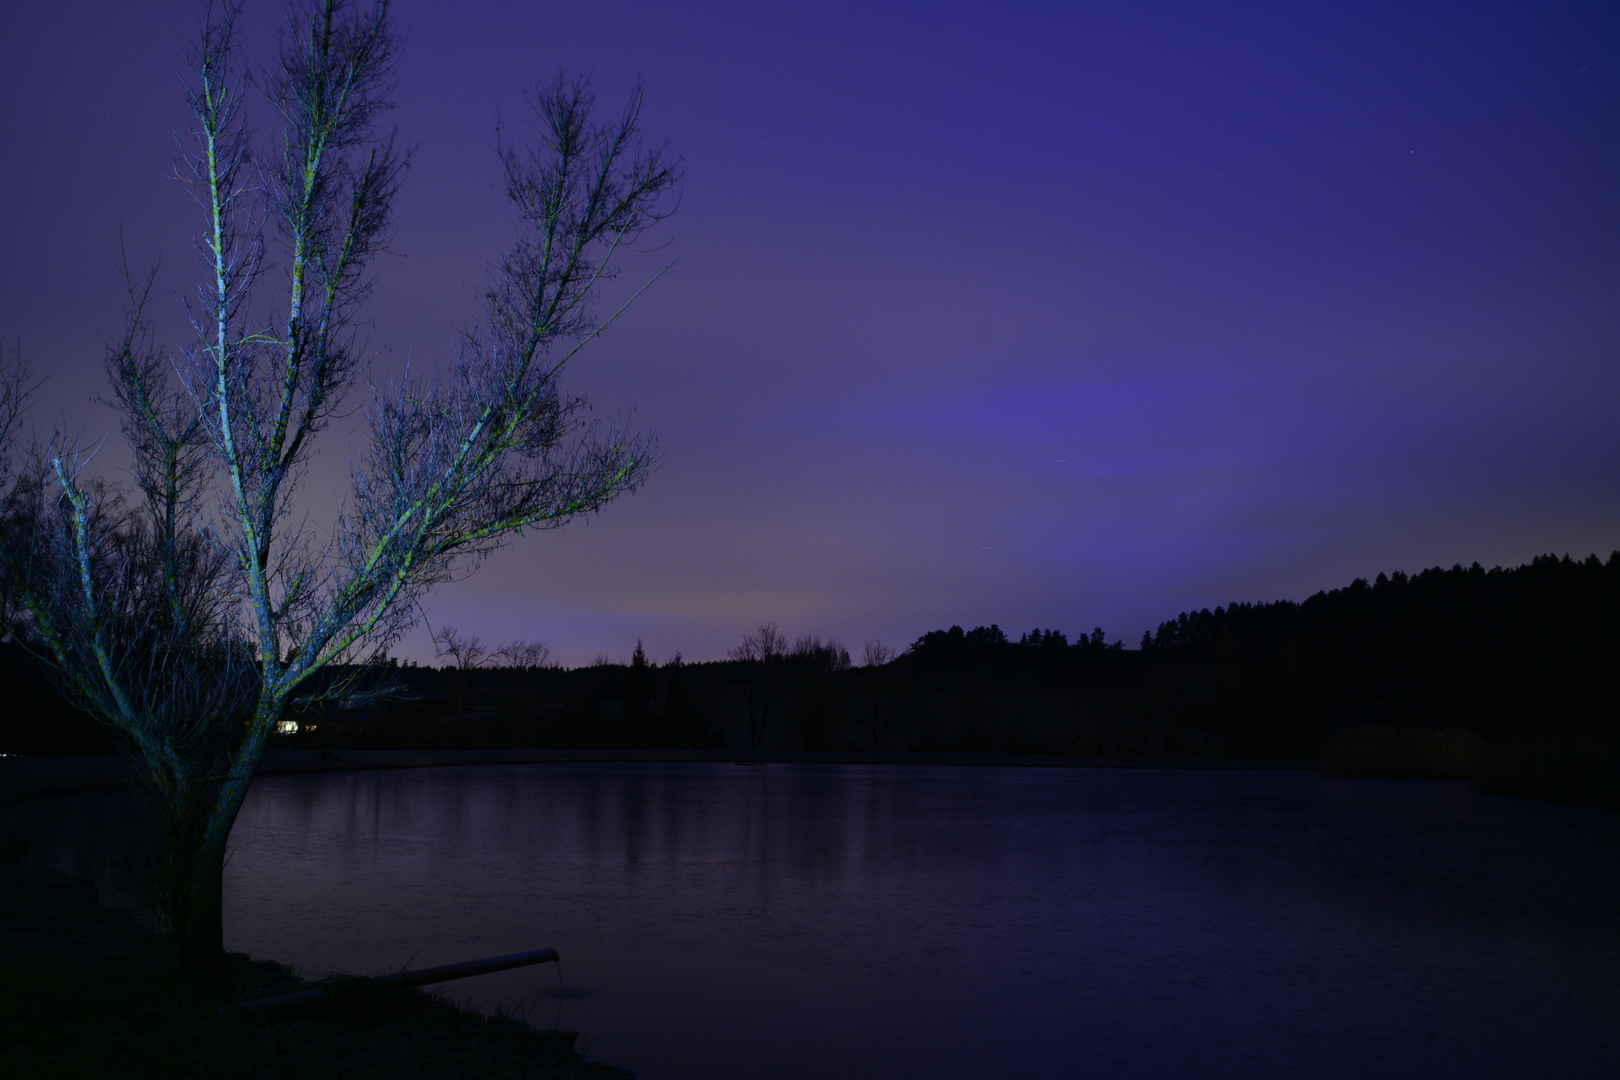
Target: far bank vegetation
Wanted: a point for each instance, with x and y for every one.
(1506, 676)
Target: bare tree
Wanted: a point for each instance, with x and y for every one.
(525, 655)
(190, 615)
(879, 694)
(818, 699)
(761, 655)
(466, 651)
(15, 384)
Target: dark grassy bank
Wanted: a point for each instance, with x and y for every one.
(1419, 753)
(1581, 777)
(84, 992)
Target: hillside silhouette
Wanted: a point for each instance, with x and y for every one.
(1522, 657)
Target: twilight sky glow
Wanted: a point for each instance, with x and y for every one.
(1057, 315)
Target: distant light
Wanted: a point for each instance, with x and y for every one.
(286, 727)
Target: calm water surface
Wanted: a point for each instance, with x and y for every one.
(869, 921)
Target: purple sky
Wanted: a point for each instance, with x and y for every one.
(1057, 315)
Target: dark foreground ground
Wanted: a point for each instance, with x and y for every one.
(84, 992)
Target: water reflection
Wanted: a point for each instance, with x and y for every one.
(867, 921)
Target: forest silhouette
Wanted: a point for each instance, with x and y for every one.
(1522, 658)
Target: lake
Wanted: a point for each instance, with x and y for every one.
(882, 921)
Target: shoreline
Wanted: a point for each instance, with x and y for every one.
(85, 991)
(35, 777)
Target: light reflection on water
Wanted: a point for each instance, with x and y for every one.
(865, 921)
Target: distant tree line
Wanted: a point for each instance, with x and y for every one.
(1525, 656)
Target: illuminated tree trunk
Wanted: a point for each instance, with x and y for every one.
(188, 631)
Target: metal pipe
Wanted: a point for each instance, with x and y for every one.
(303, 999)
